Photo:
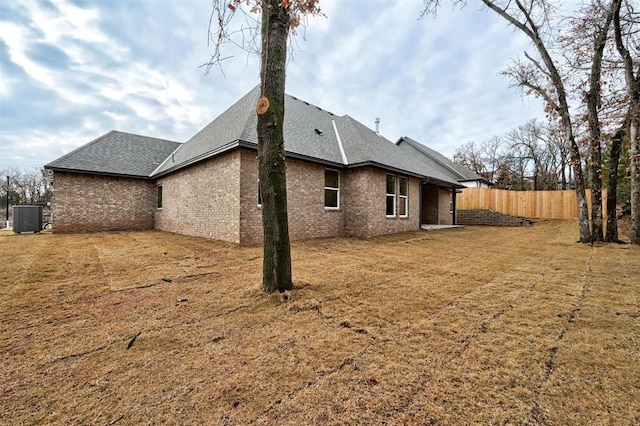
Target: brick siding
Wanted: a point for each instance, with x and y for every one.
(84, 202)
(203, 200)
(307, 215)
(197, 201)
(365, 203)
(218, 199)
(489, 217)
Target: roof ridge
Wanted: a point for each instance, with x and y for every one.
(143, 136)
(361, 144)
(427, 151)
(311, 105)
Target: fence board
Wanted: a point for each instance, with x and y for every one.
(534, 204)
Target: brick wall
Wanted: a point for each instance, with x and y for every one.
(308, 217)
(489, 217)
(218, 199)
(365, 196)
(203, 200)
(362, 203)
(83, 202)
(358, 208)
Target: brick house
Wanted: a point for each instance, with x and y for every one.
(343, 179)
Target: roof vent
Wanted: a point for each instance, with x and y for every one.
(378, 126)
(318, 131)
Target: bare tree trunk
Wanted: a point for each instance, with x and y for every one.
(595, 148)
(633, 88)
(563, 163)
(612, 186)
(276, 270)
(581, 196)
(634, 155)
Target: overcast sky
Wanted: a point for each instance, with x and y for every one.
(72, 70)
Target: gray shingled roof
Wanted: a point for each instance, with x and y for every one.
(363, 146)
(309, 134)
(237, 127)
(455, 170)
(117, 153)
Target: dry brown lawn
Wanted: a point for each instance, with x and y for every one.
(464, 326)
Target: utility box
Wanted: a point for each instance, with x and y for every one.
(27, 219)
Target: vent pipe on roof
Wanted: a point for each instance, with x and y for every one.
(377, 125)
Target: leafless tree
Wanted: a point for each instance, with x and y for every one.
(470, 155)
(540, 75)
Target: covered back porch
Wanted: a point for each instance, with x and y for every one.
(437, 204)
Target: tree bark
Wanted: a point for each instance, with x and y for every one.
(612, 186)
(634, 154)
(633, 88)
(595, 147)
(276, 270)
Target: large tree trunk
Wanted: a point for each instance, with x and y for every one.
(633, 88)
(581, 196)
(276, 270)
(612, 186)
(634, 155)
(595, 149)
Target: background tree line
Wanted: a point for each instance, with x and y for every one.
(535, 157)
(25, 187)
(584, 63)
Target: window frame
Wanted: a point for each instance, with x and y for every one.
(403, 198)
(331, 188)
(388, 194)
(159, 197)
(259, 194)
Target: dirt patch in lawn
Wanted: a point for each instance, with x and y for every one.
(471, 325)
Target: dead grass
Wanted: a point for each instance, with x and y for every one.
(472, 325)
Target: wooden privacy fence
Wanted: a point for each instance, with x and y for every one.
(538, 204)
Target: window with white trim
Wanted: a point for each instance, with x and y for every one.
(331, 189)
(403, 197)
(391, 196)
(259, 194)
(159, 197)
